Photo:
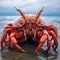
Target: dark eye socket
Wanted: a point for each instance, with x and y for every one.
(21, 21)
(39, 21)
(17, 29)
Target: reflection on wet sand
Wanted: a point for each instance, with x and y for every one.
(29, 55)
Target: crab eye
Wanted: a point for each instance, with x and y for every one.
(21, 21)
(39, 21)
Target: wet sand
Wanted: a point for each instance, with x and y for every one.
(29, 55)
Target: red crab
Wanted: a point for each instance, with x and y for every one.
(30, 26)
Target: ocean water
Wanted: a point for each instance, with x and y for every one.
(15, 55)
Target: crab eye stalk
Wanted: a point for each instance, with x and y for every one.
(22, 14)
(37, 16)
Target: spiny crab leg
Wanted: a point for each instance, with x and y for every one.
(43, 39)
(14, 42)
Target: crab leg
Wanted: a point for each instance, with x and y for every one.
(55, 39)
(3, 38)
(42, 41)
(53, 28)
(8, 43)
(5, 33)
(49, 45)
(14, 41)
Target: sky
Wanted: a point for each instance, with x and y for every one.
(51, 7)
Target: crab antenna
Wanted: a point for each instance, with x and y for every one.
(37, 16)
(22, 14)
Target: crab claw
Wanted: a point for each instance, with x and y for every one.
(14, 42)
(43, 39)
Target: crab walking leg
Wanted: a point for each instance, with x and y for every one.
(53, 28)
(55, 39)
(49, 45)
(42, 41)
(45, 36)
(8, 43)
(13, 40)
(3, 38)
